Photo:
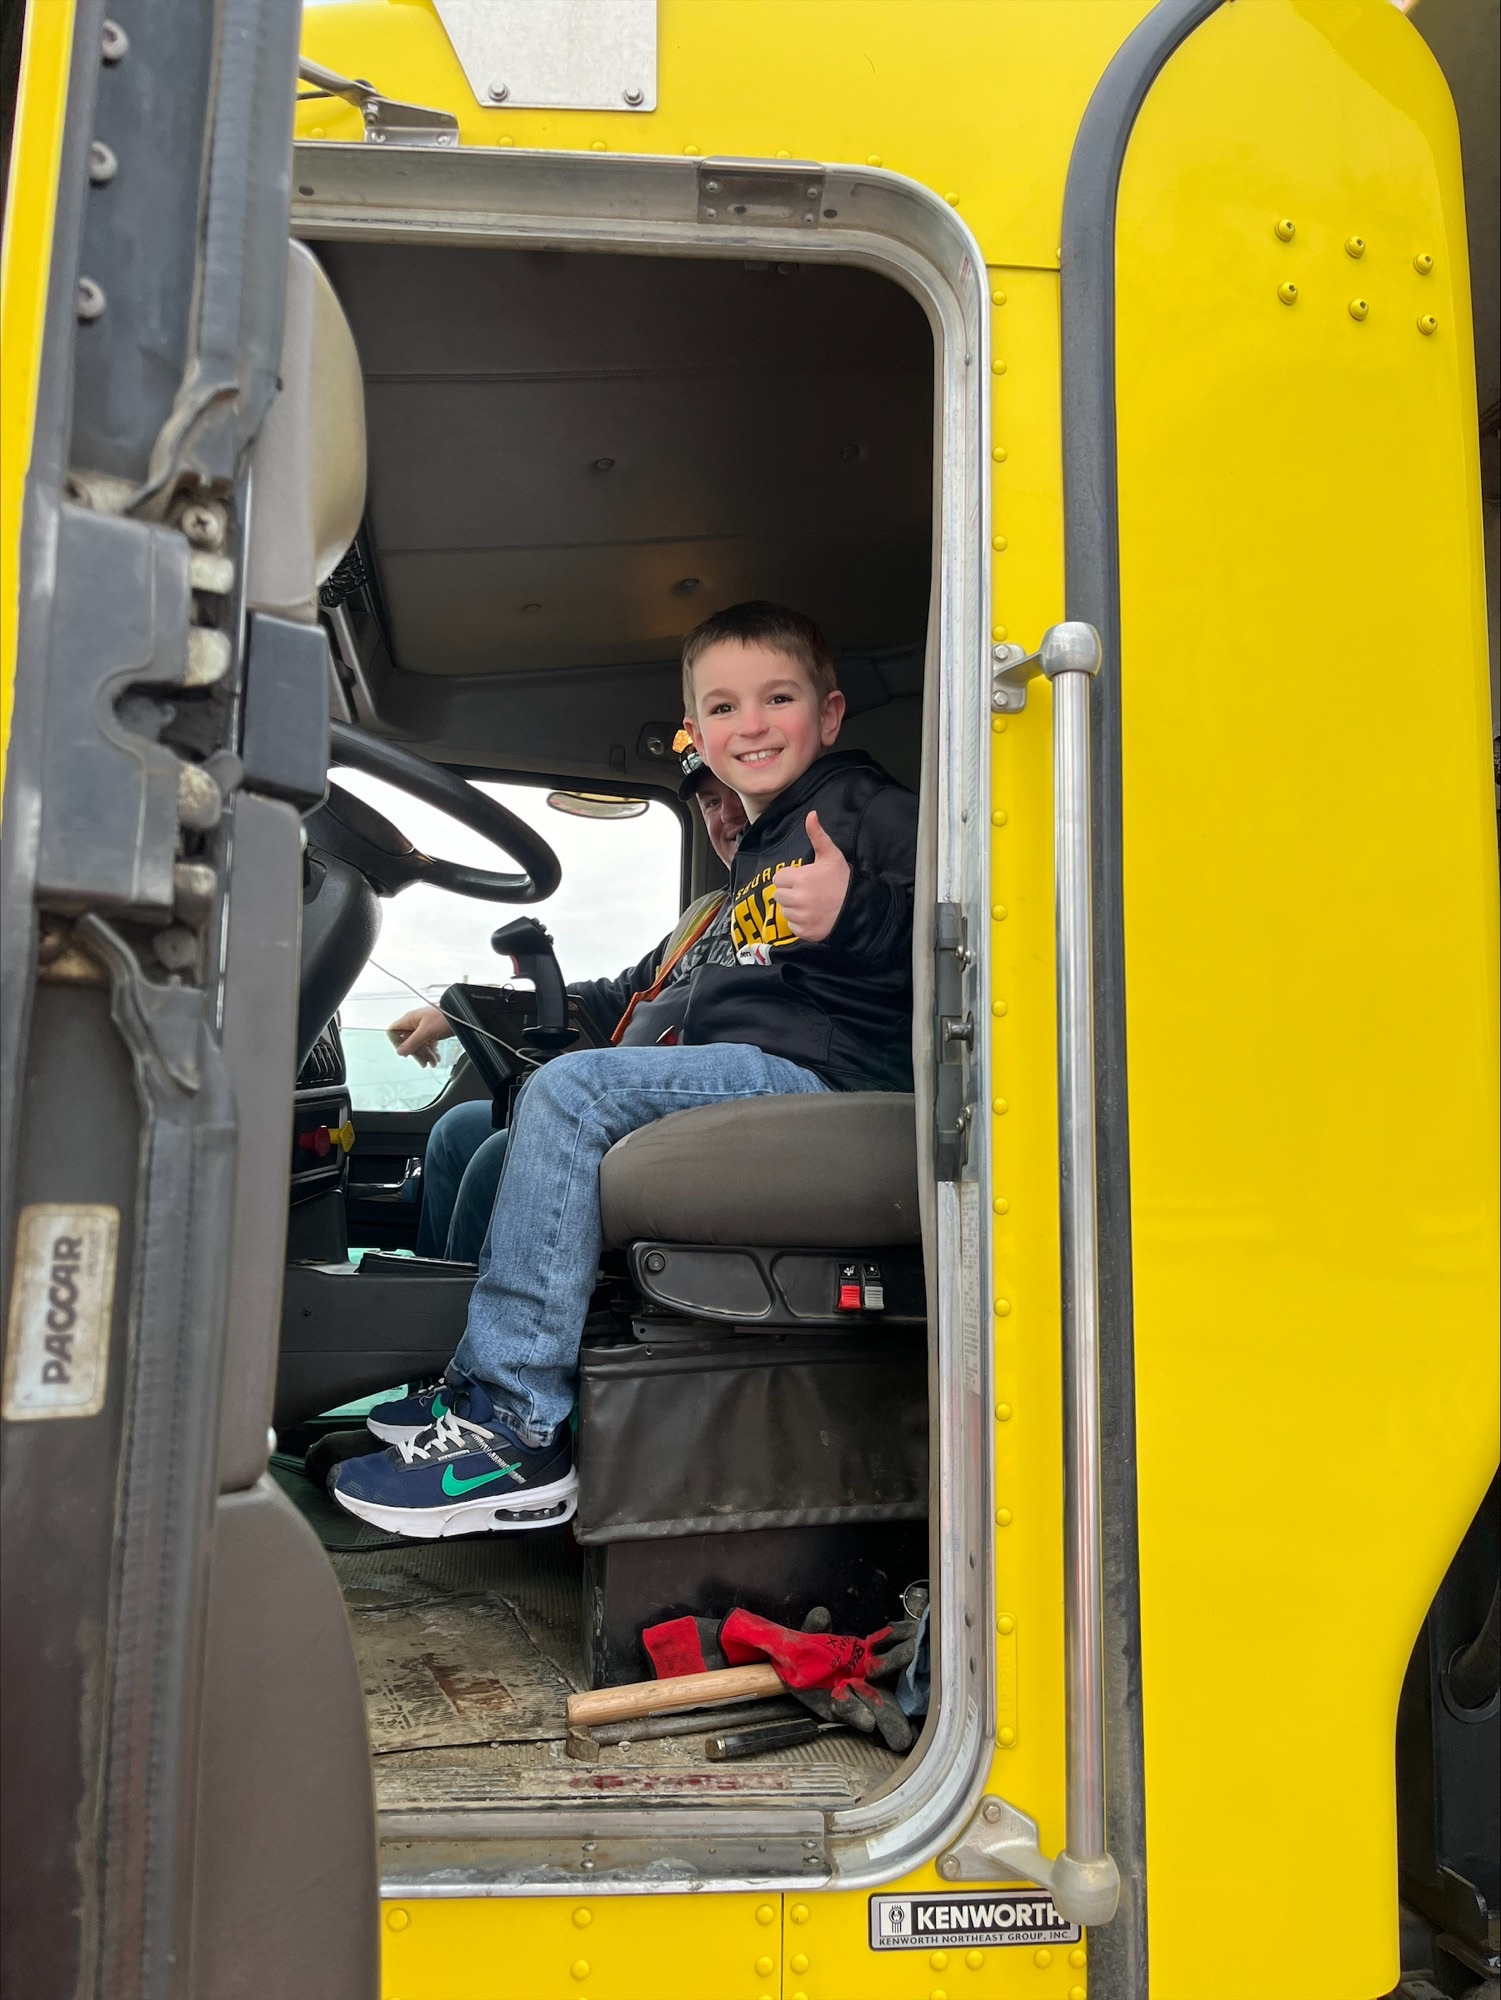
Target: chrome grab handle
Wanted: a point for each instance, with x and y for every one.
(388, 1190)
(1084, 1879)
(1070, 656)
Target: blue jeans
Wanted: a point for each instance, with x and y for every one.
(537, 1268)
(460, 1174)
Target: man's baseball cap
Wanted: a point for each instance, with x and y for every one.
(694, 769)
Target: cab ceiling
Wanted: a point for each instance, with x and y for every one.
(574, 458)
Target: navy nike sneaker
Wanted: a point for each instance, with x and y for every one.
(466, 1475)
(406, 1417)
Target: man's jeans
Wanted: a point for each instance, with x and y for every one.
(460, 1173)
(537, 1268)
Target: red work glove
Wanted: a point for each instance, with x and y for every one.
(830, 1673)
(683, 1646)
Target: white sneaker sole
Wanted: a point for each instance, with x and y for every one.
(539, 1507)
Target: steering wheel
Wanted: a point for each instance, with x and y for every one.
(355, 856)
(354, 832)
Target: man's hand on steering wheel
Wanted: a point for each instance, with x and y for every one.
(418, 1033)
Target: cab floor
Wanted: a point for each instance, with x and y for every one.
(467, 1652)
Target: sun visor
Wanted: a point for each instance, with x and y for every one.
(308, 472)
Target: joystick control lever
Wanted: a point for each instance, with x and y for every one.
(529, 946)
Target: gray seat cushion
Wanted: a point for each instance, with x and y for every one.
(816, 1172)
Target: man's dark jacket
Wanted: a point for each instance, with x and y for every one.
(842, 1008)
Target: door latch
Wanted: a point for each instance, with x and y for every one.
(954, 1041)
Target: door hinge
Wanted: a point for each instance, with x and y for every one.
(745, 192)
(953, 1041)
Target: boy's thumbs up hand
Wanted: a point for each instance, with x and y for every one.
(812, 896)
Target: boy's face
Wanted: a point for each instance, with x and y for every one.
(724, 816)
(759, 724)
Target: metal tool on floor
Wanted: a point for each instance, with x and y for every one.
(775, 1736)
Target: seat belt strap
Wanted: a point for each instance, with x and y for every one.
(669, 965)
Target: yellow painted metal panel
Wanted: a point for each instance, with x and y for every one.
(708, 1947)
(1027, 516)
(30, 202)
(1311, 963)
(826, 1956)
(583, 1948)
(978, 99)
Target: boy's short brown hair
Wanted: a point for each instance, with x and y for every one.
(761, 624)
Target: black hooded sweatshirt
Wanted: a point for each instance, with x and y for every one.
(842, 1008)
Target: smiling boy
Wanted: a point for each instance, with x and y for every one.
(806, 987)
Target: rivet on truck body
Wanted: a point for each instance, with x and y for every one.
(1077, 1955)
(872, 159)
(998, 632)
(998, 913)
(938, 1960)
(998, 298)
(580, 1968)
(798, 1961)
(997, 367)
(1000, 1107)
(1002, 1311)
(799, 1913)
(1358, 309)
(397, 1920)
(1427, 324)
(1001, 1205)
(998, 725)
(999, 544)
(1003, 1517)
(952, 200)
(1005, 1625)
(1422, 263)
(633, 96)
(765, 1914)
(499, 92)
(998, 453)
(998, 817)
(1354, 246)
(1286, 230)
(1003, 1413)
(1288, 293)
(583, 1918)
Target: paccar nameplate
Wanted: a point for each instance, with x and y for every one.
(918, 1923)
(62, 1295)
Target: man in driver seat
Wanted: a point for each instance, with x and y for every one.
(806, 987)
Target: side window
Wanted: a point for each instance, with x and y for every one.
(618, 897)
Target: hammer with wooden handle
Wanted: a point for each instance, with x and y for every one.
(618, 1704)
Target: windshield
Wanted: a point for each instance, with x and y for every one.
(619, 895)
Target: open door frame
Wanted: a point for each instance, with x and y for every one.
(187, 1805)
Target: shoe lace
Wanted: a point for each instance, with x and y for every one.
(446, 1436)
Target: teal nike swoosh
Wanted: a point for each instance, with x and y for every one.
(440, 1408)
(453, 1486)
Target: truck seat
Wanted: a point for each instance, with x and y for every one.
(798, 1172)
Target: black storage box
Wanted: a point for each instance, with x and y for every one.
(777, 1470)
